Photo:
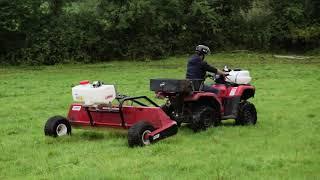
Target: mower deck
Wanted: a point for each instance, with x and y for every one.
(149, 122)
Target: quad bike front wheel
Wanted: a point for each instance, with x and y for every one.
(247, 114)
(203, 117)
(137, 134)
(57, 126)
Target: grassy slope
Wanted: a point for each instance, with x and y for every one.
(284, 144)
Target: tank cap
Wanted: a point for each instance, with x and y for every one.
(84, 82)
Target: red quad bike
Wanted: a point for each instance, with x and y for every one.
(92, 108)
(188, 103)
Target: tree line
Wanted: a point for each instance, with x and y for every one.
(62, 31)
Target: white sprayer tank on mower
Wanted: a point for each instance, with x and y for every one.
(89, 94)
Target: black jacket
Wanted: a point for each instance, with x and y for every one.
(197, 68)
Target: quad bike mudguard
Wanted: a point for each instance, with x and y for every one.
(231, 96)
(226, 101)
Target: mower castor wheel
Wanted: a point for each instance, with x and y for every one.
(203, 118)
(57, 126)
(247, 114)
(137, 134)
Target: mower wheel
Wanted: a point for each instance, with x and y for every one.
(137, 134)
(247, 114)
(57, 126)
(203, 117)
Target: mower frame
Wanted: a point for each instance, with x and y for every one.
(144, 123)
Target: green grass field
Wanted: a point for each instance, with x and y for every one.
(285, 143)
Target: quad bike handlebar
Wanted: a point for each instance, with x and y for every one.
(216, 76)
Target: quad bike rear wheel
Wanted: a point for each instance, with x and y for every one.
(203, 117)
(247, 114)
(57, 126)
(137, 134)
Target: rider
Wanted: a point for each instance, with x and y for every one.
(197, 67)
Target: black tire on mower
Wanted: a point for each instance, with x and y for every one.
(136, 134)
(247, 114)
(203, 117)
(57, 126)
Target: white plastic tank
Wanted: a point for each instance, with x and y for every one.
(89, 95)
(239, 77)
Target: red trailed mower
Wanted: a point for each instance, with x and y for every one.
(145, 120)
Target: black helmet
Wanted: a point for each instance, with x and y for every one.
(202, 49)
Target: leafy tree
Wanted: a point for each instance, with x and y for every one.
(56, 31)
